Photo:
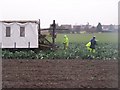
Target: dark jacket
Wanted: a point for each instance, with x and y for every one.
(93, 43)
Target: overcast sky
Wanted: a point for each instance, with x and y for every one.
(63, 11)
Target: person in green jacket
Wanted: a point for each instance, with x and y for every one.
(66, 42)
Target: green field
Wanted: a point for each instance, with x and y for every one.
(78, 38)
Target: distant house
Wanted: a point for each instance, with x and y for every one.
(108, 27)
(116, 27)
(65, 28)
(19, 34)
(83, 27)
(69, 27)
(76, 28)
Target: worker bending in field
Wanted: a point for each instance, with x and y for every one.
(91, 45)
(66, 42)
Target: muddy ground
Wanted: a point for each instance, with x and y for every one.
(59, 73)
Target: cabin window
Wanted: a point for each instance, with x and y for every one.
(22, 31)
(7, 31)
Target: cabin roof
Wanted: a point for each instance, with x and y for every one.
(19, 21)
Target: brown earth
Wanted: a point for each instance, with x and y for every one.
(60, 73)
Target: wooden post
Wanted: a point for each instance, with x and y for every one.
(53, 36)
(39, 34)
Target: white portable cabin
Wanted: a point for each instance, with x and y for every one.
(19, 34)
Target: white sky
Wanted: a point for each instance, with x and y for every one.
(63, 11)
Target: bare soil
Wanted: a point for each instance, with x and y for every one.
(59, 73)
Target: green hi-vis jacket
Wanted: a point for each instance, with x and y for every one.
(88, 44)
(66, 41)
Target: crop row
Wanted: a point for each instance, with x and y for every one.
(104, 51)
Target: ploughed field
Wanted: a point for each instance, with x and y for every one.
(26, 73)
